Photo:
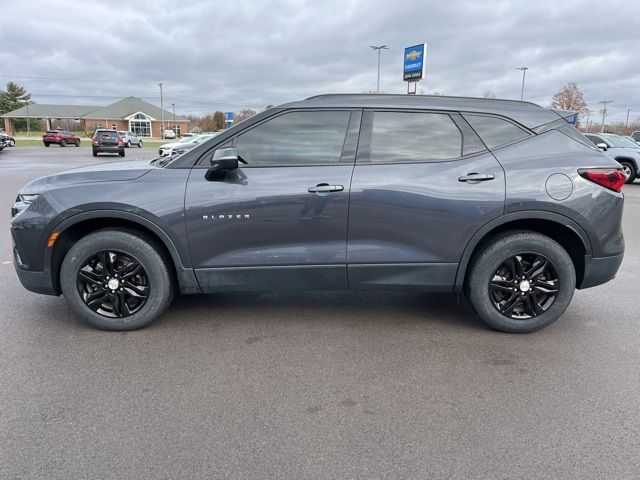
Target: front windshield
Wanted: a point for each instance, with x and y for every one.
(621, 141)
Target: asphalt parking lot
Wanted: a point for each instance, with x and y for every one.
(315, 385)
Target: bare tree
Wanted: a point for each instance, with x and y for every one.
(243, 115)
(489, 94)
(570, 97)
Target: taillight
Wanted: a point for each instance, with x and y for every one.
(120, 142)
(610, 178)
(95, 141)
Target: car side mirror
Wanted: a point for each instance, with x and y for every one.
(602, 146)
(224, 160)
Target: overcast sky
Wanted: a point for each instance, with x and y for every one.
(229, 55)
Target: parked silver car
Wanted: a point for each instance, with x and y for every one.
(622, 150)
(130, 139)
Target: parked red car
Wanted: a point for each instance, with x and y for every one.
(61, 137)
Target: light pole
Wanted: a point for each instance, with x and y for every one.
(604, 111)
(626, 124)
(524, 72)
(379, 48)
(173, 106)
(588, 115)
(161, 113)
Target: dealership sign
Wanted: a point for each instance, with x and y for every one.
(414, 62)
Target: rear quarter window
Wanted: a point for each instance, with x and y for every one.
(494, 131)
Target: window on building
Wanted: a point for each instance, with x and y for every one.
(140, 125)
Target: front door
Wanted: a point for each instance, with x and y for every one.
(280, 221)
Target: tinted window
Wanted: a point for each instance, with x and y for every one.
(495, 132)
(594, 140)
(295, 138)
(414, 136)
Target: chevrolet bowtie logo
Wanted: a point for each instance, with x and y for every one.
(413, 54)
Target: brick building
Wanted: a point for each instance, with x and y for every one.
(130, 113)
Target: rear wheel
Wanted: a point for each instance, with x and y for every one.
(128, 144)
(77, 143)
(521, 282)
(46, 144)
(140, 144)
(116, 280)
(629, 170)
(121, 153)
(12, 143)
(95, 154)
(63, 143)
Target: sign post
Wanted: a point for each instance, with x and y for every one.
(228, 119)
(414, 66)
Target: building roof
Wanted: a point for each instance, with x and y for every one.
(38, 110)
(118, 110)
(130, 105)
(528, 114)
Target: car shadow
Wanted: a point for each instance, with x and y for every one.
(351, 309)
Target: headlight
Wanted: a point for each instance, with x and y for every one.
(22, 203)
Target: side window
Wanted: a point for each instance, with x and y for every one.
(414, 136)
(495, 132)
(295, 138)
(594, 140)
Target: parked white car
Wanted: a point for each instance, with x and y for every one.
(169, 134)
(167, 149)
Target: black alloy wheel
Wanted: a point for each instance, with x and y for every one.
(524, 286)
(113, 284)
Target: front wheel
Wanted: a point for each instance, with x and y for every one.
(12, 143)
(629, 170)
(140, 144)
(116, 280)
(77, 143)
(521, 282)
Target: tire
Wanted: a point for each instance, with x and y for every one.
(128, 145)
(630, 170)
(12, 143)
(122, 244)
(491, 266)
(63, 143)
(95, 154)
(140, 144)
(46, 144)
(121, 153)
(77, 143)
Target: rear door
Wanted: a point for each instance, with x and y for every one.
(423, 184)
(280, 221)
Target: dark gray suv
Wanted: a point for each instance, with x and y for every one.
(503, 200)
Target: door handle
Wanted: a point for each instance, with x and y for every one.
(476, 177)
(325, 188)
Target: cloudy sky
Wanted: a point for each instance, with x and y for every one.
(229, 55)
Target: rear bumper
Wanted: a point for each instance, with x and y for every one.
(600, 270)
(108, 149)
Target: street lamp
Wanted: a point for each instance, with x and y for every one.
(524, 72)
(161, 113)
(379, 48)
(626, 124)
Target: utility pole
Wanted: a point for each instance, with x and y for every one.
(588, 115)
(604, 111)
(626, 124)
(379, 48)
(524, 72)
(161, 113)
(28, 122)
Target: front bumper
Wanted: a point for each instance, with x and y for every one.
(38, 282)
(599, 270)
